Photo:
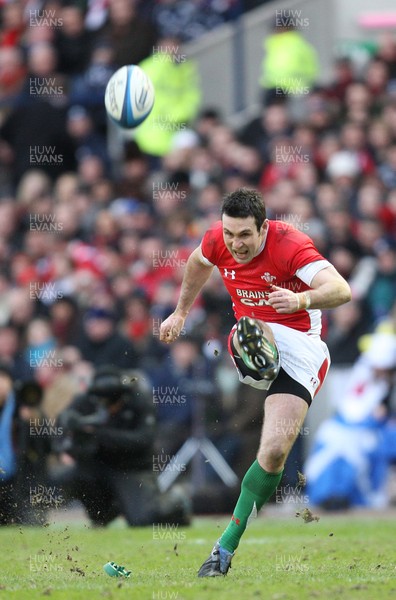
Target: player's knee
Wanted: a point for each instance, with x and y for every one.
(267, 331)
(272, 457)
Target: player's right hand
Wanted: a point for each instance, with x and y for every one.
(171, 328)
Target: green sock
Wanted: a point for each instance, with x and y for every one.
(257, 487)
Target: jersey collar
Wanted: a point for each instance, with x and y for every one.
(261, 247)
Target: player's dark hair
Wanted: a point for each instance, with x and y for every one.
(245, 203)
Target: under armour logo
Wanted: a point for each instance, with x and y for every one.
(231, 273)
(237, 521)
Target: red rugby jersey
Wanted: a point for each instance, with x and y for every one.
(285, 251)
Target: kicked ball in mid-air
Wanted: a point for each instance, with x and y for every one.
(129, 96)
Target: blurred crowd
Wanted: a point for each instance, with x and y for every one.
(95, 230)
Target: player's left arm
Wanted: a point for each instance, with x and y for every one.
(328, 290)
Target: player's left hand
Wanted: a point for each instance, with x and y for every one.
(283, 301)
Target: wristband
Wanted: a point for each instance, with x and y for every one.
(307, 300)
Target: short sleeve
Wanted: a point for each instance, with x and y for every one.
(308, 272)
(203, 258)
(299, 251)
(211, 243)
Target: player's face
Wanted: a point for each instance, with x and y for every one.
(242, 238)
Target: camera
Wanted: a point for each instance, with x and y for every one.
(108, 385)
(92, 410)
(28, 393)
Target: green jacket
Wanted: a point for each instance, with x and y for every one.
(289, 63)
(177, 99)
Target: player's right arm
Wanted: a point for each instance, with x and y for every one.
(196, 275)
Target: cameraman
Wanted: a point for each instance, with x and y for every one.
(107, 450)
(34, 447)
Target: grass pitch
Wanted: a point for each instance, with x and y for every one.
(348, 557)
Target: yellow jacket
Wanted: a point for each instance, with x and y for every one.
(290, 63)
(177, 99)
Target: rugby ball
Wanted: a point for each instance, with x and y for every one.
(129, 96)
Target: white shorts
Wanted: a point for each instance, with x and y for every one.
(305, 358)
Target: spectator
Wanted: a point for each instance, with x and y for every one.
(72, 41)
(132, 38)
(387, 52)
(174, 396)
(177, 99)
(185, 20)
(290, 65)
(72, 376)
(358, 103)
(347, 325)
(11, 355)
(343, 76)
(382, 291)
(12, 75)
(387, 170)
(376, 77)
(260, 133)
(21, 309)
(353, 139)
(81, 129)
(28, 142)
(343, 474)
(40, 343)
(138, 326)
(88, 88)
(154, 266)
(12, 25)
(101, 344)
(343, 170)
(387, 214)
(379, 139)
(64, 318)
